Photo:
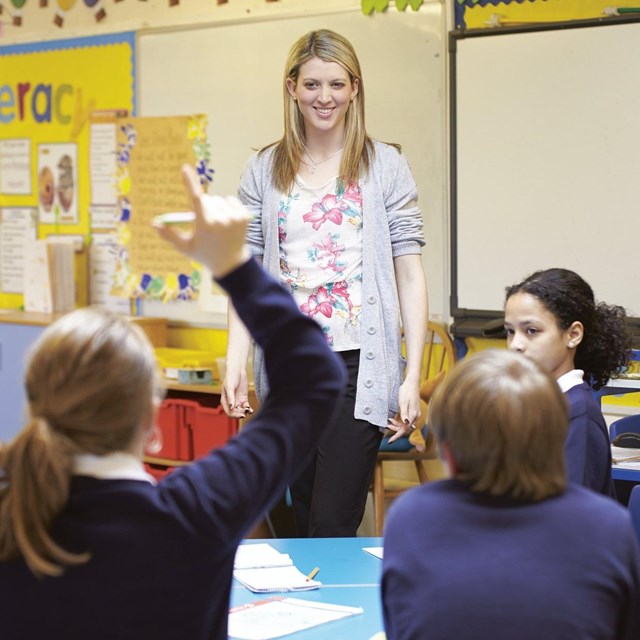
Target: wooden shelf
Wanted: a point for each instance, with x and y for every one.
(15, 316)
(166, 462)
(214, 387)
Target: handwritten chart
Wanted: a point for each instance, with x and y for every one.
(150, 153)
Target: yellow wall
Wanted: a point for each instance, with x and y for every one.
(89, 74)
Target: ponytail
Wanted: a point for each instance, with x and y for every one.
(606, 345)
(76, 368)
(34, 487)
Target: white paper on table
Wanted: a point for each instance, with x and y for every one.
(274, 618)
(374, 551)
(621, 457)
(256, 556)
(275, 579)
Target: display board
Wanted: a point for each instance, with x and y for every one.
(545, 161)
(48, 93)
(233, 73)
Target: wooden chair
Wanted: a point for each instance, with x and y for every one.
(439, 356)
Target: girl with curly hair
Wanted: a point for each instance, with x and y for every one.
(553, 318)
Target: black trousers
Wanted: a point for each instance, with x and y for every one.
(330, 495)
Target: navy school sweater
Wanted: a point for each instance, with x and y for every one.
(162, 556)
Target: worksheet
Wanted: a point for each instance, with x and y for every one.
(273, 618)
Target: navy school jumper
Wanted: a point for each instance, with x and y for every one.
(162, 556)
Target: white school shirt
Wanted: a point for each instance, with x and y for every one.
(571, 379)
(118, 465)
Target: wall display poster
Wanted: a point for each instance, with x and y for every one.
(102, 164)
(17, 226)
(49, 91)
(150, 154)
(15, 166)
(58, 183)
(102, 260)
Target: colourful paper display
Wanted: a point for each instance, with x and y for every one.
(47, 93)
(150, 153)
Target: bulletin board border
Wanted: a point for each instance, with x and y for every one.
(126, 37)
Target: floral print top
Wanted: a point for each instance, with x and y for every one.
(320, 242)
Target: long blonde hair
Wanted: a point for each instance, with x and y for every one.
(358, 147)
(91, 381)
(504, 421)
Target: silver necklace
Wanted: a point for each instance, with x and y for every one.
(314, 166)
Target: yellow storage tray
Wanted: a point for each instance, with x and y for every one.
(170, 360)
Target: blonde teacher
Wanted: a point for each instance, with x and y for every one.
(336, 220)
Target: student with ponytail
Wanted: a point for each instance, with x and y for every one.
(90, 547)
(91, 383)
(553, 318)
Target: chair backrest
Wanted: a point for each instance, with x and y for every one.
(624, 425)
(634, 508)
(439, 353)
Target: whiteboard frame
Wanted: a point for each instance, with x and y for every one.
(487, 322)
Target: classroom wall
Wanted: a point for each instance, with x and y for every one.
(157, 16)
(124, 15)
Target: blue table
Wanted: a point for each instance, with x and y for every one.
(621, 473)
(620, 386)
(349, 576)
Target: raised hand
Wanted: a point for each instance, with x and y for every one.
(217, 239)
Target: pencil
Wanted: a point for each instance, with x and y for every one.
(313, 574)
(176, 217)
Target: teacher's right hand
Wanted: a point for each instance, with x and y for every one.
(235, 393)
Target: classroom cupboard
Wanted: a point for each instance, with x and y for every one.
(192, 422)
(15, 340)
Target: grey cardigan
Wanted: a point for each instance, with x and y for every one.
(392, 226)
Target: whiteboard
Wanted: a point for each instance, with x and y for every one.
(546, 161)
(234, 74)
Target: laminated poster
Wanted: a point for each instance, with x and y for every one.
(150, 154)
(58, 183)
